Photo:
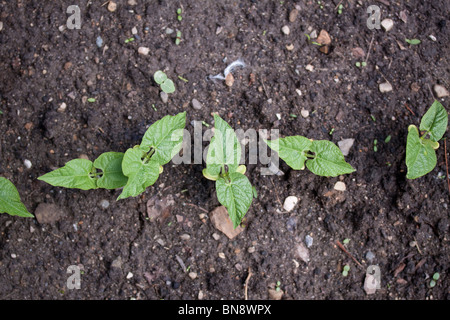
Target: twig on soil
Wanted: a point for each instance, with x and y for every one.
(196, 206)
(409, 109)
(368, 51)
(180, 261)
(348, 253)
(264, 87)
(246, 283)
(446, 164)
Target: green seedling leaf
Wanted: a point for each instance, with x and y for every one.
(328, 161)
(159, 77)
(165, 137)
(292, 150)
(413, 41)
(224, 149)
(435, 121)
(76, 174)
(420, 154)
(168, 86)
(111, 165)
(10, 200)
(141, 172)
(235, 193)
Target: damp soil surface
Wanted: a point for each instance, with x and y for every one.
(400, 225)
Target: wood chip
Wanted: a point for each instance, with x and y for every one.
(323, 38)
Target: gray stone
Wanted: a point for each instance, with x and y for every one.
(370, 256)
(440, 91)
(196, 104)
(164, 97)
(48, 213)
(385, 87)
(345, 145)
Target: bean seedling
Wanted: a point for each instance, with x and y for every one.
(434, 280)
(165, 83)
(10, 200)
(234, 190)
(420, 150)
(322, 157)
(346, 270)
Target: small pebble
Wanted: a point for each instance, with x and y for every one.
(1, 25)
(143, 50)
(290, 47)
(112, 6)
(104, 204)
(433, 38)
(370, 256)
(229, 80)
(192, 275)
(251, 249)
(169, 31)
(387, 24)
(216, 236)
(164, 97)
(27, 163)
(299, 92)
(385, 87)
(290, 203)
(286, 30)
(62, 107)
(309, 67)
(313, 34)
(185, 237)
(308, 241)
(221, 255)
(134, 31)
(339, 186)
(13, 255)
(304, 113)
(345, 145)
(129, 275)
(196, 104)
(293, 15)
(440, 91)
(99, 41)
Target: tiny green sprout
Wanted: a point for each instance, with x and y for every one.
(154, 108)
(331, 131)
(293, 115)
(183, 79)
(413, 41)
(358, 64)
(434, 280)
(373, 118)
(388, 138)
(278, 286)
(205, 124)
(346, 270)
(388, 164)
(165, 83)
(178, 38)
(129, 40)
(255, 192)
(340, 8)
(1, 112)
(308, 37)
(179, 11)
(188, 268)
(346, 241)
(91, 100)
(264, 32)
(363, 64)
(375, 143)
(169, 224)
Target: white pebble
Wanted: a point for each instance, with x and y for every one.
(385, 87)
(299, 92)
(433, 38)
(221, 255)
(13, 255)
(286, 30)
(143, 50)
(27, 163)
(345, 145)
(62, 107)
(387, 24)
(340, 186)
(129, 275)
(440, 91)
(309, 67)
(304, 113)
(134, 30)
(192, 275)
(290, 203)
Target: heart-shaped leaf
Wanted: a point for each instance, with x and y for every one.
(236, 194)
(435, 121)
(420, 154)
(10, 200)
(111, 165)
(168, 86)
(159, 77)
(328, 161)
(292, 150)
(76, 174)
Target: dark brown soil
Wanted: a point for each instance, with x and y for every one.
(381, 211)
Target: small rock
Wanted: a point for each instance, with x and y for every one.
(290, 203)
(440, 91)
(13, 255)
(196, 104)
(215, 236)
(132, 2)
(302, 252)
(432, 38)
(385, 87)
(192, 275)
(48, 213)
(27, 163)
(229, 80)
(200, 295)
(370, 256)
(143, 50)
(286, 30)
(221, 221)
(387, 24)
(104, 204)
(345, 145)
(62, 107)
(358, 52)
(134, 31)
(308, 241)
(275, 295)
(185, 237)
(251, 249)
(313, 34)
(299, 92)
(304, 113)
(164, 97)
(324, 38)
(67, 65)
(339, 186)
(309, 67)
(290, 47)
(117, 263)
(221, 255)
(99, 41)
(130, 275)
(112, 6)
(169, 31)
(1, 25)
(415, 87)
(293, 15)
